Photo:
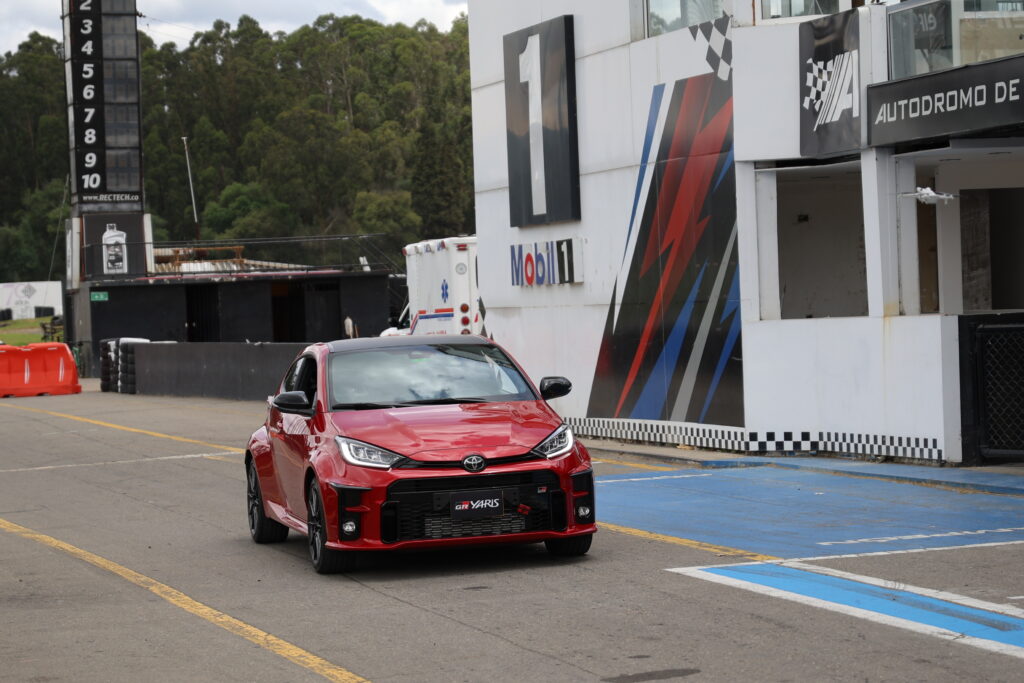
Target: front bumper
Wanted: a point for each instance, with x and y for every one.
(540, 500)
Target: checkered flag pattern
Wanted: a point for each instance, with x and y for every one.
(736, 439)
(818, 76)
(717, 35)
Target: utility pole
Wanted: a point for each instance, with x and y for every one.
(188, 166)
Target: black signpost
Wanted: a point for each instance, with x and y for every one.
(102, 76)
(969, 98)
(830, 85)
(540, 119)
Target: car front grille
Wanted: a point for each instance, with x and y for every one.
(419, 509)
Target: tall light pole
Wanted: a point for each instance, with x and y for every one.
(192, 190)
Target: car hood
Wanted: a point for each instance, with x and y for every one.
(448, 432)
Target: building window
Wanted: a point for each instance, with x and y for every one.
(822, 271)
(778, 9)
(671, 15)
(940, 34)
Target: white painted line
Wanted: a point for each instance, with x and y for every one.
(848, 610)
(1016, 597)
(667, 476)
(916, 537)
(114, 462)
(880, 553)
(1008, 610)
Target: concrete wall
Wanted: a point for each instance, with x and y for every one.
(246, 372)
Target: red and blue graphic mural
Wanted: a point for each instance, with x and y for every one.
(671, 347)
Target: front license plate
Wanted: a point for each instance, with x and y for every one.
(476, 504)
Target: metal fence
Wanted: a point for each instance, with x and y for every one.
(1001, 382)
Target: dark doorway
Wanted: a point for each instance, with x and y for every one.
(202, 317)
(288, 311)
(323, 311)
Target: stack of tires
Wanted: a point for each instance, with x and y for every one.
(126, 364)
(108, 365)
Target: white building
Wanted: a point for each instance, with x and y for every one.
(714, 219)
(23, 298)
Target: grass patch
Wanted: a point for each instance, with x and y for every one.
(21, 332)
(20, 338)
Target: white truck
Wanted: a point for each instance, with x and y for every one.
(442, 280)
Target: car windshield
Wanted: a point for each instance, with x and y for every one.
(424, 374)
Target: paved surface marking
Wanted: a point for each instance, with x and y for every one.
(879, 553)
(914, 537)
(951, 617)
(211, 456)
(218, 446)
(717, 549)
(667, 476)
(280, 647)
(623, 463)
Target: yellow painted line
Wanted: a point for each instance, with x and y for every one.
(689, 543)
(233, 461)
(623, 463)
(124, 429)
(280, 647)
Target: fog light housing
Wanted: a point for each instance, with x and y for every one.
(583, 512)
(348, 527)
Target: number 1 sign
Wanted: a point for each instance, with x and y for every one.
(540, 121)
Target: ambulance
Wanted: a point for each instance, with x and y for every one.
(443, 287)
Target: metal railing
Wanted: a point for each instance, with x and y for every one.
(348, 253)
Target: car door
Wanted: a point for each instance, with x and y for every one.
(290, 437)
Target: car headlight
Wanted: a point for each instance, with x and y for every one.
(558, 444)
(366, 455)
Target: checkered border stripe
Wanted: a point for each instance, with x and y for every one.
(880, 445)
(660, 431)
(736, 439)
(920, 448)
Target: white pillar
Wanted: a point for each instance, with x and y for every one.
(906, 218)
(947, 235)
(881, 247)
(748, 243)
(766, 197)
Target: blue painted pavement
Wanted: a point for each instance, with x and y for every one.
(797, 513)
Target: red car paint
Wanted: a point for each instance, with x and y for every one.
(293, 451)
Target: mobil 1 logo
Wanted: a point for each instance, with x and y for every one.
(540, 123)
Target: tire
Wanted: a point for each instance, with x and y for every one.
(573, 546)
(261, 528)
(325, 560)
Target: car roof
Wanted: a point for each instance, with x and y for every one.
(404, 340)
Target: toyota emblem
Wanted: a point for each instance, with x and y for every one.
(474, 463)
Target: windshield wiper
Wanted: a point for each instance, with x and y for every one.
(445, 401)
(364, 406)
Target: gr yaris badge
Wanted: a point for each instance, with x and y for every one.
(474, 463)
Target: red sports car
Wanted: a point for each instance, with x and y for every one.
(402, 442)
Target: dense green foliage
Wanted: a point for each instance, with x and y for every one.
(345, 126)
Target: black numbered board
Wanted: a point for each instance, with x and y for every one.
(102, 76)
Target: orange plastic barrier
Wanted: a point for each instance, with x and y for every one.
(37, 369)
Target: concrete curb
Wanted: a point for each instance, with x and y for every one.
(967, 480)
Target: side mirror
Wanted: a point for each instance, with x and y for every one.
(554, 387)
(292, 402)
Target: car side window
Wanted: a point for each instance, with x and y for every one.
(306, 380)
(291, 379)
